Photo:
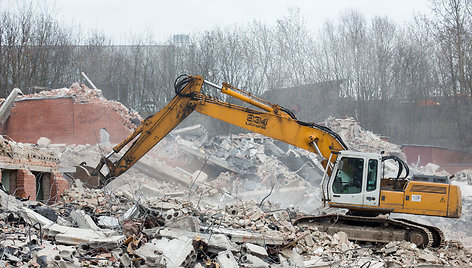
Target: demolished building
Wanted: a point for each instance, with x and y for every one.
(198, 200)
(74, 115)
(77, 115)
(29, 172)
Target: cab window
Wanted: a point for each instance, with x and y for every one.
(372, 175)
(348, 179)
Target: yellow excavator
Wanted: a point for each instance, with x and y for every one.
(351, 180)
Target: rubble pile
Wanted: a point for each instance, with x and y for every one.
(464, 176)
(25, 151)
(98, 228)
(83, 94)
(359, 139)
(247, 166)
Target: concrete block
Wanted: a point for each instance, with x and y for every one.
(226, 259)
(428, 257)
(340, 238)
(177, 251)
(390, 250)
(125, 260)
(218, 242)
(190, 224)
(309, 240)
(151, 254)
(252, 249)
(67, 252)
(131, 213)
(43, 142)
(198, 177)
(108, 222)
(253, 261)
(83, 220)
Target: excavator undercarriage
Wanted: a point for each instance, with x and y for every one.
(375, 229)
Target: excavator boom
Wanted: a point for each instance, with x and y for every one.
(270, 120)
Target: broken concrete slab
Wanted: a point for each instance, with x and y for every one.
(151, 254)
(164, 172)
(428, 257)
(69, 235)
(248, 248)
(215, 242)
(83, 220)
(7, 105)
(177, 251)
(108, 222)
(241, 236)
(211, 159)
(226, 259)
(253, 261)
(190, 224)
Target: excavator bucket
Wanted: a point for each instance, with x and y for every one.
(90, 176)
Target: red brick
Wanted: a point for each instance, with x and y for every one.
(25, 184)
(58, 186)
(63, 121)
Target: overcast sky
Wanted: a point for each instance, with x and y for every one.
(120, 18)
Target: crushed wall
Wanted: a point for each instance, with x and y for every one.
(63, 121)
(27, 171)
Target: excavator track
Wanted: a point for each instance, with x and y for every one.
(372, 229)
(439, 239)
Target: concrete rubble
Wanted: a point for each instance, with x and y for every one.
(359, 139)
(186, 231)
(198, 200)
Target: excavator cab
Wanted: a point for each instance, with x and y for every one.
(357, 184)
(355, 180)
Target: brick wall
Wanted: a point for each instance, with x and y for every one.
(89, 118)
(32, 119)
(63, 121)
(25, 184)
(450, 160)
(58, 186)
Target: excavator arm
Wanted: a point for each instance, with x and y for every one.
(270, 120)
(279, 123)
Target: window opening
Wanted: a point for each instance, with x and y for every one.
(348, 178)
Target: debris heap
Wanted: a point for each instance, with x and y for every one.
(197, 200)
(359, 139)
(112, 228)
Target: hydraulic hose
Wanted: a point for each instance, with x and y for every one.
(181, 82)
(401, 165)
